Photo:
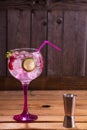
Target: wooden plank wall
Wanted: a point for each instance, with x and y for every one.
(46, 83)
(65, 24)
(3, 42)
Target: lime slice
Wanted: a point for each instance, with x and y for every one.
(29, 64)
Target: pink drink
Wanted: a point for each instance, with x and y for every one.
(25, 64)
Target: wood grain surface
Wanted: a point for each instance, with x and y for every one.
(74, 47)
(3, 27)
(55, 34)
(44, 4)
(49, 118)
(46, 83)
(18, 29)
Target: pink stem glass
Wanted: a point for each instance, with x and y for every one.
(25, 109)
(25, 116)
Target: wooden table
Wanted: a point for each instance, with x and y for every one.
(49, 118)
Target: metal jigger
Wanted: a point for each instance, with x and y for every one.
(69, 107)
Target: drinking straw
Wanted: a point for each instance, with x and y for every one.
(49, 43)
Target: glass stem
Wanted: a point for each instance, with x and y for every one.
(25, 89)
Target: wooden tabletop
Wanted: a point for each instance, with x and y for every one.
(49, 118)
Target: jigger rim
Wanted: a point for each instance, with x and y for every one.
(69, 95)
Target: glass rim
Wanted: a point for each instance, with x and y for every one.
(22, 49)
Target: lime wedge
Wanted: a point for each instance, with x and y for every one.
(29, 64)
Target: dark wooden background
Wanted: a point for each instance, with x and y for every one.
(27, 23)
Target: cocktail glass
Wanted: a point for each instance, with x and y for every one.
(25, 64)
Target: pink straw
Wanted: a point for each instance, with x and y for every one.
(51, 44)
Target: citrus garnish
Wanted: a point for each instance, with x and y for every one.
(8, 54)
(29, 64)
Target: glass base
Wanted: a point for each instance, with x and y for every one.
(25, 118)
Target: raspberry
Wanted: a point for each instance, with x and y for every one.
(12, 58)
(10, 66)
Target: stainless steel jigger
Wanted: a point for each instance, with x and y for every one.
(69, 107)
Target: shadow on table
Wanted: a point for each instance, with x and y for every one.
(13, 125)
